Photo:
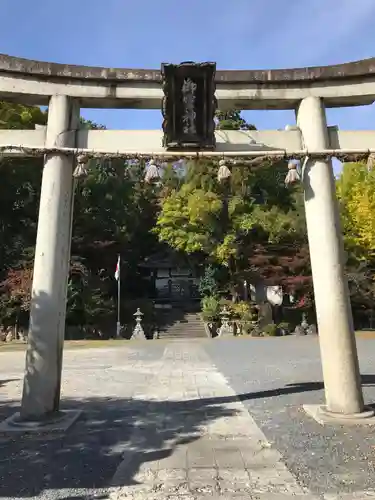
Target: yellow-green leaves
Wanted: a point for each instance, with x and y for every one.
(356, 194)
(189, 219)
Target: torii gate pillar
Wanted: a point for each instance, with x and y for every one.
(342, 384)
(41, 390)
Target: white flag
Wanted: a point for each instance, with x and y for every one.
(117, 272)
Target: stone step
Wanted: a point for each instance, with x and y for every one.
(188, 325)
(186, 328)
(184, 320)
(173, 337)
(187, 333)
(179, 326)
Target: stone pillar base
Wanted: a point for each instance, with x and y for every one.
(59, 422)
(324, 417)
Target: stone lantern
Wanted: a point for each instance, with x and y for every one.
(225, 328)
(138, 332)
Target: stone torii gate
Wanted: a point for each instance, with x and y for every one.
(67, 88)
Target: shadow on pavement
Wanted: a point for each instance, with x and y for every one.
(88, 455)
(300, 387)
(7, 381)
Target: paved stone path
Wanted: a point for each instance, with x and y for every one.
(217, 449)
(162, 421)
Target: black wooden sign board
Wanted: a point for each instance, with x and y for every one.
(189, 105)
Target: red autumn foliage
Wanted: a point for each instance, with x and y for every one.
(285, 265)
(17, 286)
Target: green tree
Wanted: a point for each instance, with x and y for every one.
(17, 116)
(19, 201)
(219, 222)
(356, 194)
(232, 120)
(355, 191)
(114, 213)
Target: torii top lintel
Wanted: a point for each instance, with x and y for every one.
(29, 81)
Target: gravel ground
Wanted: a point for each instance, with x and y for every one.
(274, 378)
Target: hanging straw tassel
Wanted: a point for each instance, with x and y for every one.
(81, 170)
(152, 173)
(292, 176)
(223, 172)
(371, 161)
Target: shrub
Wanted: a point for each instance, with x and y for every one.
(284, 327)
(241, 310)
(244, 316)
(247, 327)
(210, 309)
(228, 304)
(270, 330)
(208, 286)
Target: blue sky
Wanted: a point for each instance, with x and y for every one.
(237, 34)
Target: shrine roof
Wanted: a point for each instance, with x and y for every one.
(165, 260)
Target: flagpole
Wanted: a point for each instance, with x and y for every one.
(118, 324)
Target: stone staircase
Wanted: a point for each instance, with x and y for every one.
(188, 326)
